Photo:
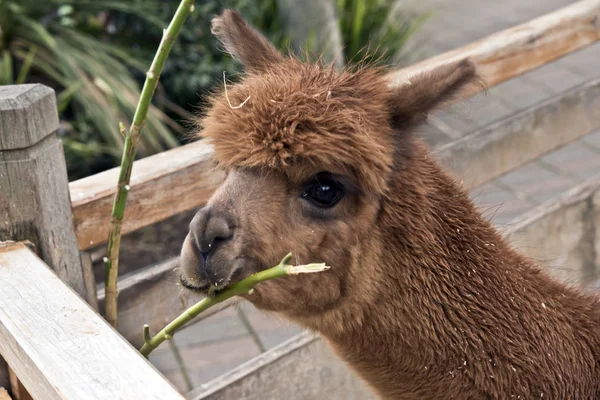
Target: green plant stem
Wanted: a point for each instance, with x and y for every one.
(132, 136)
(26, 66)
(242, 287)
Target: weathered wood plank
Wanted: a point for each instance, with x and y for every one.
(161, 186)
(153, 296)
(27, 115)
(4, 394)
(89, 279)
(58, 346)
(564, 229)
(35, 202)
(514, 51)
(19, 392)
(4, 378)
(523, 137)
(34, 196)
(182, 179)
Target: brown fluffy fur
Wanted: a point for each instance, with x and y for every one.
(425, 300)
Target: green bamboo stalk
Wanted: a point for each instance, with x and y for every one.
(242, 287)
(111, 262)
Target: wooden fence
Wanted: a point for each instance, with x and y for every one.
(34, 198)
(58, 346)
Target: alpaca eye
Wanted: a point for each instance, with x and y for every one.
(324, 191)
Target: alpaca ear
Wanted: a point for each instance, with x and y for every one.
(244, 42)
(412, 101)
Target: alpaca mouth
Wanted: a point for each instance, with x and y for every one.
(202, 287)
(216, 286)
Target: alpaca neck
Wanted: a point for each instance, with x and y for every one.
(456, 312)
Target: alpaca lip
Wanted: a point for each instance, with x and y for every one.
(224, 283)
(216, 286)
(196, 288)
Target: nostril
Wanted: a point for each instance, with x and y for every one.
(211, 247)
(211, 228)
(204, 256)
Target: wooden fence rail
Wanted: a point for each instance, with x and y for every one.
(58, 346)
(182, 179)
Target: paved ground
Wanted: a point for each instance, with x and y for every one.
(234, 336)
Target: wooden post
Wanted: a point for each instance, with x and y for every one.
(34, 188)
(4, 394)
(18, 391)
(58, 347)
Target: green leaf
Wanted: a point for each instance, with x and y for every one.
(24, 71)
(65, 10)
(33, 31)
(6, 68)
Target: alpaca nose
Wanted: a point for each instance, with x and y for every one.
(210, 228)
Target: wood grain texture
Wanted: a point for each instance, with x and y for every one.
(514, 51)
(182, 179)
(161, 186)
(4, 394)
(27, 115)
(4, 378)
(58, 346)
(19, 392)
(89, 279)
(519, 138)
(34, 197)
(154, 296)
(34, 191)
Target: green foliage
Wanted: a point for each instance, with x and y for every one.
(196, 63)
(380, 23)
(63, 44)
(95, 54)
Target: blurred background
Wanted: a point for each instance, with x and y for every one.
(94, 53)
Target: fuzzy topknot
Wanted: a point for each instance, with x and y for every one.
(286, 113)
(297, 114)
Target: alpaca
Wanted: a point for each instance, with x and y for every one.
(424, 298)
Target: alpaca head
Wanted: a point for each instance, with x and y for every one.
(308, 152)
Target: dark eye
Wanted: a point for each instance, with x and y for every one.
(323, 191)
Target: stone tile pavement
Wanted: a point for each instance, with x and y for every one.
(216, 345)
(219, 344)
(456, 23)
(509, 196)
